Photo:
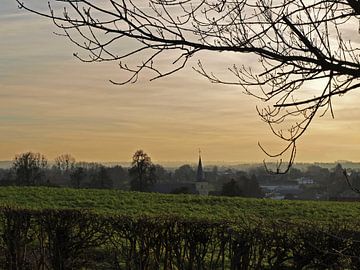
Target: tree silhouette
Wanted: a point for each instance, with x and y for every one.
(76, 176)
(231, 189)
(185, 173)
(304, 48)
(65, 162)
(29, 168)
(101, 179)
(142, 171)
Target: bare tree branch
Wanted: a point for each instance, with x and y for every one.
(300, 45)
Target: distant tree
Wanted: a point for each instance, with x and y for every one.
(265, 177)
(250, 187)
(76, 176)
(65, 162)
(212, 176)
(337, 183)
(321, 175)
(185, 173)
(337, 172)
(231, 189)
(240, 174)
(142, 171)
(223, 178)
(29, 168)
(119, 176)
(295, 173)
(161, 174)
(355, 180)
(7, 177)
(89, 166)
(2, 173)
(101, 179)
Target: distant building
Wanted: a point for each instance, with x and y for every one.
(280, 192)
(305, 181)
(202, 186)
(200, 172)
(197, 186)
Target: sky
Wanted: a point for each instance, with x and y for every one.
(52, 103)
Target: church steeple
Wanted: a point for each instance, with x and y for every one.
(200, 173)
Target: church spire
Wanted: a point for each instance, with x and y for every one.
(200, 173)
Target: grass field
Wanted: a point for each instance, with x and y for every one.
(188, 206)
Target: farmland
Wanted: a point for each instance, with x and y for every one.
(131, 230)
(185, 206)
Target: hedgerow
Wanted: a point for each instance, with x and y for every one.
(78, 239)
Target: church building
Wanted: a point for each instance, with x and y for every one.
(201, 185)
(196, 186)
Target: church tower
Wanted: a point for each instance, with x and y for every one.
(202, 187)
(200, 172)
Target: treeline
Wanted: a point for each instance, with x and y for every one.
(33, 169)
(71, 239)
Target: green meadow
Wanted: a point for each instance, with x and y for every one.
(115, 202)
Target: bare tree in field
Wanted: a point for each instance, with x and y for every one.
(142, 172)
(29, 169)
(65, 163)
(307, 50)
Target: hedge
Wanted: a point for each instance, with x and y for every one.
(74, 239)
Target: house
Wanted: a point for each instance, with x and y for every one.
(305, 181)
(280, 192)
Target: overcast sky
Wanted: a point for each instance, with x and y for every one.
(53, 104)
